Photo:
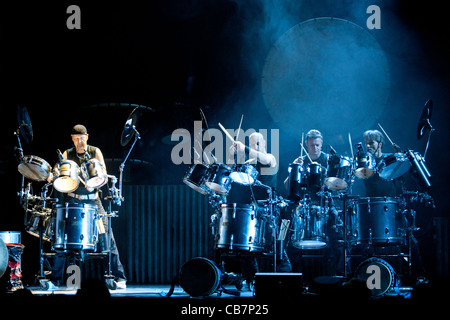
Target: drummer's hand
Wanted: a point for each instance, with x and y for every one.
(299, 160)
(50, 177)
(237, 146)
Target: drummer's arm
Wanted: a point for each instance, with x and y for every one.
(264, 158)
(99, 157)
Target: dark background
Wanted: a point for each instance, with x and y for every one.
(178, 56)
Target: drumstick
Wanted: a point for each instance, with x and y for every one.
(301, 151)
(226, 133)
(385, 134)
(239, 129)
(351, 145)
(303, 148)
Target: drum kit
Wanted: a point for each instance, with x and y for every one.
(73, 229)
(370, 221)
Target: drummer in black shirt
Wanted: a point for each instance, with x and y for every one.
(375, 185)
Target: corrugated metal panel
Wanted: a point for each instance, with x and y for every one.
(159, 228)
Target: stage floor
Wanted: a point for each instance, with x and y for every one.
(152, 298)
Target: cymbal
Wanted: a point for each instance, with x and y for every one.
(424, 122)
(130, 126)
(25, 127)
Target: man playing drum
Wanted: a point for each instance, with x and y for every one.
(82, 153)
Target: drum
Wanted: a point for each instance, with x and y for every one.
(195, 177)
(309, 227)
(218, 178)
(200, 277)
(96, 175)
(365, 165)
(75, 227)
(297, 182)
(66, 176)
(380, 221)
(378, 275)
(9, 237)
(339, 172)
(394, 166)
(240, 228)
(32, 226)
(34, 168)
(315, 175)
(245, 174)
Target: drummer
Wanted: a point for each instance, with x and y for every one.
(265, 163)
(80, 153)
(313, 143)
(375, 186)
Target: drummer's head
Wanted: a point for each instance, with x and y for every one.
(374, 140)
(80, 137)
(314, 141)
(257, 142)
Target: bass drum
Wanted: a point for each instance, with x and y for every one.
(378, 275)
(75, 227)
(200, 277)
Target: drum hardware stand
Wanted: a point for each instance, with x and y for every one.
(272, 222)
(114, 197)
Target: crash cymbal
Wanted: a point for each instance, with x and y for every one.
(25, 127)
(424, 122)
(130, 126)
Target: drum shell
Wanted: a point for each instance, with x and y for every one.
(315, 175)
(66, 176)
(297, 182)
(218, 178)
(380, 221)
(34, 168)
(394, 166)
(11, 237)
(75, 227)
(339, 172)
(365, 165)
(240, 228)
(96, 174)
(195, 177)
(245, 174)
(200, 277)
(388, 279)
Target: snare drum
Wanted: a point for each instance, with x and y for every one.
(245, 174)
(195, 177)
(96, 175)
(34, 168)
(218, 178)
(339, 172)
(66, 175)
(75, 227)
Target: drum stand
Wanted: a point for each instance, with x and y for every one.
(115, 196)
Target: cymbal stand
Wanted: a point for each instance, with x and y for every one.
(113, 197)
